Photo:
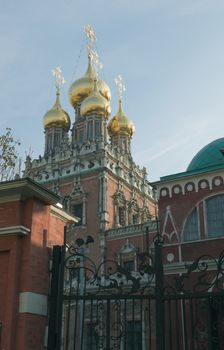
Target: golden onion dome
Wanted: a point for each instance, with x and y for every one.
(83, 87)
(95, 103)
(56, 116)
(120, 124)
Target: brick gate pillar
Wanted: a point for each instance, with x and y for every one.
(30, 224)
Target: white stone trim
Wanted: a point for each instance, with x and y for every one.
(14, 230)
(169, 185)
(61, 214)
(33, 303)
(168, 214)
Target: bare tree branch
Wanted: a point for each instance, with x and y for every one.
(9, 157)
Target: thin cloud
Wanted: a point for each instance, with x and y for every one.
(147, 158)
(194, 130)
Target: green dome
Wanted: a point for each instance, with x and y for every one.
(211, 155)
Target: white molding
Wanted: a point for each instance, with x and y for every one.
(14, 230)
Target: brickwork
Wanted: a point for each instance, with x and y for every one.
(177, 199)
(24, 263)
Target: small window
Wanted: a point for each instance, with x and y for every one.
(81, 136)
(56, 140)
(121, 219)
(77, 210)
(215, 216)
(129, 265)
(49, 142)
(191, 232)
(90, 131)
(134, 219)
(97, 129)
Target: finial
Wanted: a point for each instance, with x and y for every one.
(120, 86)
(59, 79)
(93, 55)
(91, 38)
(97, 63)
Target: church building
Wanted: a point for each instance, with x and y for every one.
(87, 160)
(191, 206)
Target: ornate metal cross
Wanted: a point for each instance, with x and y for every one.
(120, 86)
(91, 37)
(59, 79)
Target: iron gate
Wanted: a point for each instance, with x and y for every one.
(109, 307)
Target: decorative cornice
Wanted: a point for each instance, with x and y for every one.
(94, 160)
(14, 230)
(131, 230)
(12, 198)
(181, 186)
(27, 188)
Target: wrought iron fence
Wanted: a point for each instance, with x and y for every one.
(110, 307)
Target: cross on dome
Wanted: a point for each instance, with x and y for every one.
(120, 86)
(91, 37)
(59, 79)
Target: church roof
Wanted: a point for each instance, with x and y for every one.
(209, 156)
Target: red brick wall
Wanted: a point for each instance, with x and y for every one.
(24, 267)
(180, 207)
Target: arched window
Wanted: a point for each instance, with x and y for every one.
(191, 232)
(215, 216)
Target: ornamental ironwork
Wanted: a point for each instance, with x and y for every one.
(204, 275)
(108, 277)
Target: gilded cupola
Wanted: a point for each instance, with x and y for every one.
(95, 103)
(120, 124)
(56, 116)
(84, 86)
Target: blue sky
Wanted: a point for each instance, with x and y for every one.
(169, 52)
